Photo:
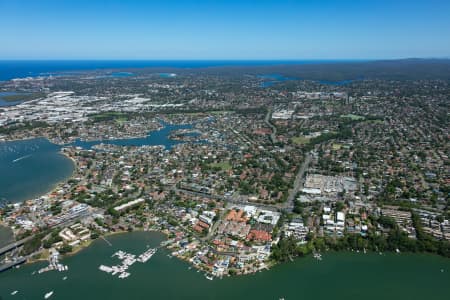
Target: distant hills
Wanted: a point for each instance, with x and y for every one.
(402, 69)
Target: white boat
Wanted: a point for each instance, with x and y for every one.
(65, 278)
(20, 158)
(13, 293)
(209, 277)
(48, 295)
(124, 275)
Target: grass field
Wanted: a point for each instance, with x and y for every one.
(211, 112)
(111, 115)
(336, 146)
(300, 140)
(225, 166)
(353, 117)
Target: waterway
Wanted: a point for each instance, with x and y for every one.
(154, 138)
(272, 79)
(116, 75)
(9, 103)
(6, 236)
(337, 276)
(30, 168)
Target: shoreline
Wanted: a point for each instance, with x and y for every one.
(52, 187)
(269, 264)
(74, 164)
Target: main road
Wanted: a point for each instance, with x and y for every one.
(273, 135)
(298, 182)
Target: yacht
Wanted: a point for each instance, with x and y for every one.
(48, 295)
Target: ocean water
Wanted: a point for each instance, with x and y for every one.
(339, 276)
(10, 69)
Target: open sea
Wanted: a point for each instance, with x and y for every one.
(10, 69)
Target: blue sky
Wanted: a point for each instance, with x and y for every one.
(259, 29)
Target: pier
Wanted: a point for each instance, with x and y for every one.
(10, 265)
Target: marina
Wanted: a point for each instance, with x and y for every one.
(417, 276)
(127, 260)
(54, 264)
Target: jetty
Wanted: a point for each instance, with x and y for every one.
(128, 260)
(12, 264)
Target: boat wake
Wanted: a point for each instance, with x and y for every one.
(20, 158)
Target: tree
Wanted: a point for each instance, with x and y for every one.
(65, 248)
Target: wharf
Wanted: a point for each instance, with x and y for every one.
(10, 265)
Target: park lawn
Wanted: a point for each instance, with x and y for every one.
(210, 112)
(336, 146)
(353, 117)
(121, 120)
(300, 140)
(110, 115)
(225, 166)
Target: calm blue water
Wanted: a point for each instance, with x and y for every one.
(154, 138)
(24, 68)
(116, 75)
(272, 79)
(167, 75)
(8, 103)
(30, 168)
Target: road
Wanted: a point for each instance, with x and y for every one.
(214, 227)
(298, 183)
(14, 245)
(273, 135)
